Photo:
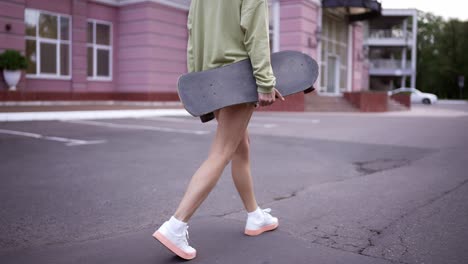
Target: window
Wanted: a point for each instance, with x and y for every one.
(48, 44)
(99, 46)
(334, 55)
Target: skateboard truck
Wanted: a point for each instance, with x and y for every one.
(309, 90)
(207, 117)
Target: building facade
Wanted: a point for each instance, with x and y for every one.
(136, 49)
(391, 41)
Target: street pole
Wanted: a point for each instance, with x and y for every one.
(461, 84)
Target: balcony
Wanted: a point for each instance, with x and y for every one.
(389, 67)
(389, 37)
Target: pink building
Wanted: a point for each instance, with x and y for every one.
(136, 49)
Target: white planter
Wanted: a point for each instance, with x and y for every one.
(12, 78)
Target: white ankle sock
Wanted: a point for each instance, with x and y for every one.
(176, 225)
(258, 213)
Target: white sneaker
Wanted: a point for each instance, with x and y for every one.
(175, 242)
(258, 224)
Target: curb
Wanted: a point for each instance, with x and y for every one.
(84, 103)
(100, 114)
(445, 101)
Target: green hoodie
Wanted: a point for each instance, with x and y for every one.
(222, 32)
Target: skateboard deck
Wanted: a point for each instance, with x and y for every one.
(206, 91)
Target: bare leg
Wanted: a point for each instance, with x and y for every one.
(241, 174)
(232, 123)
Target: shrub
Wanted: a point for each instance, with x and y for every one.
(12, 60)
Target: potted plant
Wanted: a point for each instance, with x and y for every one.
(12, 62)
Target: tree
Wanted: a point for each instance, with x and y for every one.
(442, 55)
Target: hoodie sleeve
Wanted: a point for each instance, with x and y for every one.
(255, 24)
(190, 61)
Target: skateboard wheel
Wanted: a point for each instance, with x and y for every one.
(309, 90)
(207, 117)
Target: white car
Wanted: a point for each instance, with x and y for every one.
(416, 95)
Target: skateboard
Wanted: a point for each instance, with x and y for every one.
(206, 91)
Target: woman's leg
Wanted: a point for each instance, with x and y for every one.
(258, 220)
(232, 123)
(241, 174)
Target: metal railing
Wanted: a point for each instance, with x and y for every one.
(388, 64)
(389, 33)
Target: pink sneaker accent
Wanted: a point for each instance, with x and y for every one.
(261, 230)
(261, 223)
(177, 244)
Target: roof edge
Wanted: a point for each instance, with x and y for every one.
(129, 2)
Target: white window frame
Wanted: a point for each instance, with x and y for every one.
(95, 47)
(57, 42)
(333, 40)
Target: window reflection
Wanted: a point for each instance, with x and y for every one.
(48, 26)
(31, 19)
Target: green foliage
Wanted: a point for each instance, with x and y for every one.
(442, 55)
(12, 60)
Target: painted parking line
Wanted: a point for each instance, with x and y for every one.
(67, 141)
(192, 121)
(138, 127)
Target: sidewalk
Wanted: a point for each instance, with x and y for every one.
(76, 110)
(59, 110)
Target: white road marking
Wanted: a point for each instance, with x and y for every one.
(286, 119)
(194, 121)
(67, 141)
(95, 114)
(139, 127)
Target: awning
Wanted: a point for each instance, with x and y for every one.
(356, 9)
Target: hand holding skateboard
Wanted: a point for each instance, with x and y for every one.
(266, 99)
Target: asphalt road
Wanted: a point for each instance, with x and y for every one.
(347, 188)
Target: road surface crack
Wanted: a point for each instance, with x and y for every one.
(279, 198)
(377, 165)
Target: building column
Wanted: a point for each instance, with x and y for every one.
(276, 13)
(403, 52)
(298, 26)
(414, 48)
(350, 65)
(360, 70)
(79, 51)
(403, 66)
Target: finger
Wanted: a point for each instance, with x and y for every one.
(279, 95)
